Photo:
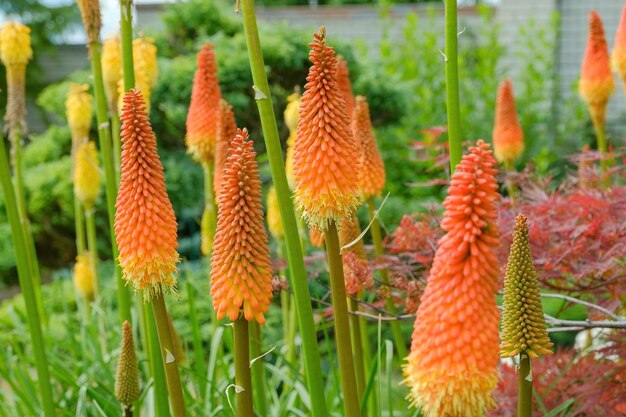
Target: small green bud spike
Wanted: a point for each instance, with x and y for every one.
(127, 389)
(523, 323)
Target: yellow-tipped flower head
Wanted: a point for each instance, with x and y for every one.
(84, 279)
(371, 166)
(523, 324)
(618, 56)
(87, 174)
(206, 232)
(90, 12)
(325, 157)
(292, 113)
(112, 69)
(15, 52)
(127, 389)
(508, 136)
(274, 221)
(79, 112)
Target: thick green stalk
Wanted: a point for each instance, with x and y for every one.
(525, 387)
(198, 349)
(396, 330)
(126, 29)
(33, 263)
(157, 370)
(243, 376)
(24, 272)
(170, 362)
(298, 275)
(357, 348)
(104, 137)
(209, 201)
(79, 225)
(372, 400)
(258, 371)
(452, 85)
(92, 242)
(600, 128)
(342, 326)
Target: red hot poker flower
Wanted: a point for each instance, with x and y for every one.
(226, 130)
(145, 224)
(371, 165)
(508, 137)
(241, 274)
(452, 367)
(343, 80)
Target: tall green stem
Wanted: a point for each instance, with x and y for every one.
(24, 272)
(600, 127)
(396, 330)
(170, 362)
(357, 348)
(117, 144)
(525, 387)
(258, 371)
(126, 29)
(298, 275)
(157, 370)
(92, 242)
(367, 364)
(209, 201)
(104, 137)
(342, 325)
(452, 85)
(198, 349)
(79, 225)
(243, 376)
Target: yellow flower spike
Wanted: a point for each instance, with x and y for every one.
(87, 174)
(127, 389)
(146, 70)
(112, 68)
(90, 13)
(371, 166)
(206, 239)
(523, 323)
(291, 113)
(84, 279)
(325, 152)
(15, 52)
(274, 221)
(79, 112)
(145, 224)
(291, 179)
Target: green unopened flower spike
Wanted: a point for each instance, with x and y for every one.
(127, 389)
(523, 324)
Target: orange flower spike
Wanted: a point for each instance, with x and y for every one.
(324, 151)
(508, 137)
(618, 56)
(453, 365)
(596, 79)
(371, 165)
(226, 131)
(145, 224)
(204, 110)
(343, 79)
(241, 273)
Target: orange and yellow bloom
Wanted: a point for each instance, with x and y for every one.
(343, 80)
(241, 274)
(325, 152)
(508, 136)
(145, 224)
(452, 367)
(596, 79)
(618, 56)
(371, 165)
(204, 110)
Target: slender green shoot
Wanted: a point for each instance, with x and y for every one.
(92, 243)
(377, 238)
(209, 202)
(157, 370)
(298, 275)
(357, 348)
(198, 350)
(342, 325)
(243, 376)
(452, 85)
(258, 370)
(24, 272)
(170, 362)
(525, 387)
(79, 225)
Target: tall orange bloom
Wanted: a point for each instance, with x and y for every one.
(241, 274)
(596, 80)
(145, 224)
(204, 110)
(618, 56)
(508, 137)
(325, 153)
(452, 367)
(371, 165)
(343, 79)
(226, 130)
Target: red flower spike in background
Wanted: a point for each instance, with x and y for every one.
(356, 269)
(618, 56)
(596, 79)
(241, 274)
(204, 110)
(343, 80)
(508, 137)
(325, 153)
(452, 368)
(145, 224)
(226, 131)
(371, 165)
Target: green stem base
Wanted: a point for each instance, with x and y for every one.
(243, 376)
